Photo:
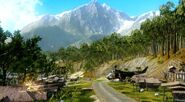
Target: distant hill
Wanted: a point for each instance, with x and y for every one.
(83, 24)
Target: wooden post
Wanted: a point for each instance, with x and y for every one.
(177, 76)
(146, 85)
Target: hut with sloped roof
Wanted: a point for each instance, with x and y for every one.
(176, 83)
(20, 94)
(178, 90)
(146, 82)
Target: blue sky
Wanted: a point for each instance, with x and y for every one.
(15, 14)
(130, 7)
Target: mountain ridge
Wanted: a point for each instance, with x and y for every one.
(79, 24)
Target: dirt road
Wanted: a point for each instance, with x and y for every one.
(107, 94)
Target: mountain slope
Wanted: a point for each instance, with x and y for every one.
(135, 24)
(80, 25)
(157, 67)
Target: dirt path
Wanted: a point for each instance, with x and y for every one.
(107, 94)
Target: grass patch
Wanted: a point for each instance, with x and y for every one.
(80, 84)
(101, 79)
(75, 92)
(146, 96)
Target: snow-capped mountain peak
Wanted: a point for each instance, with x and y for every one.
(82, 24)
(106, 6)
(135, 23)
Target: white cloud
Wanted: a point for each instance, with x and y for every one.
(15, 14)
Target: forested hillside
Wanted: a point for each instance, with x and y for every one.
(163, 35)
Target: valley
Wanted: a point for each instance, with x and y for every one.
(96, 53)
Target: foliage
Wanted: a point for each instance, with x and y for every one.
(146, 96)
(104, 50)
(74, 93)
(22, 57)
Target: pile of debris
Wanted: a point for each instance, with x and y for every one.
(76, 76)
(50, 84)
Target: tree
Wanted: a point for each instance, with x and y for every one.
(22, 56)
(3, 52)
(166, 12)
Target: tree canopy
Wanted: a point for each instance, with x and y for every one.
(23, 57)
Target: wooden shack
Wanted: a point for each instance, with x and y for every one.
(146, 82)
(20, 94)
(178, 90)
(175, 75)
(176, 82)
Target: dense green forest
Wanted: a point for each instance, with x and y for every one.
(162, 35)
(22, 58)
